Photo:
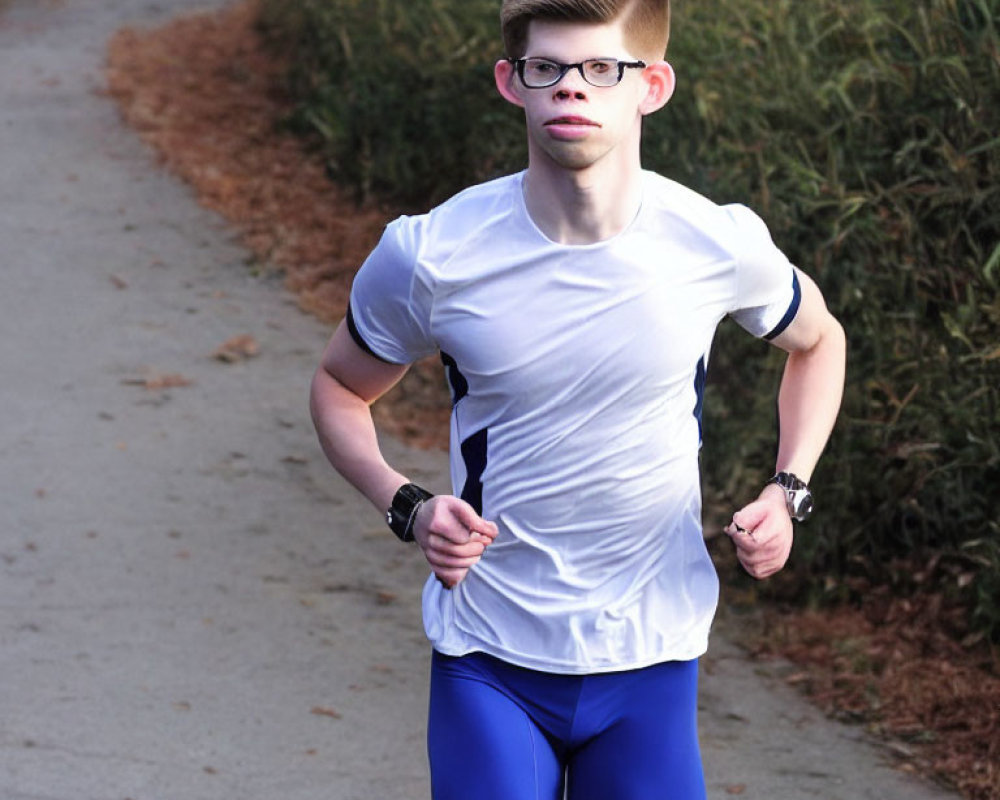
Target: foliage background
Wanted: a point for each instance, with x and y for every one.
(865, 133)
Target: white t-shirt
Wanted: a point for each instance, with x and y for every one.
(576, 375)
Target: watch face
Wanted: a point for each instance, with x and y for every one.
(802, 504)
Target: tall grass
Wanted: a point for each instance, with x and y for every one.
(868, 136)
(399, 92)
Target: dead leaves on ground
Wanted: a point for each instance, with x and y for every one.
(156, 381)
(889, 666)
(322, 711)
(210, 98)
(237, 349)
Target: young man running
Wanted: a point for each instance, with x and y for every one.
(574, 305)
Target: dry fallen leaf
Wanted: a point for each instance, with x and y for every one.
(154, 381)
(320, 711)
(237, 348)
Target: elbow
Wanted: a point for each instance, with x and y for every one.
(323, 383)
(838, 337)
(830, 351)
(830, 338)
(314, 399)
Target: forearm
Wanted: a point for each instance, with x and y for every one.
(448, 530)
(809, 400)
(347, 435)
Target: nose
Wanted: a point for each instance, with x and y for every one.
(572, 85)
(565, 93)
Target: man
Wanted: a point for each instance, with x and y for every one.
(574, 305)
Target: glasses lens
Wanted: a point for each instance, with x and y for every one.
(601, 71)
(539, 72)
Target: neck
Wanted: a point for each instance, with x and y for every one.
(582, 206)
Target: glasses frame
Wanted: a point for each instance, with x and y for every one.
(519, 64)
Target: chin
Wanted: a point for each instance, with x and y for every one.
(573, 158)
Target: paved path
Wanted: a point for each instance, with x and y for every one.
(192, 606)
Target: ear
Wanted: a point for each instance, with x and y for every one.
(503, 73)
(660, 81)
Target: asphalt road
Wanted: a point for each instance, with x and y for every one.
(192, 605)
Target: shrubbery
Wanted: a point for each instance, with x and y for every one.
(400, 92)
(868, 136)
(866, 133)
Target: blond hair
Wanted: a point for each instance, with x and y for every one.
(647, 22)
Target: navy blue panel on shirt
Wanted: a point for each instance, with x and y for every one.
(459, 385)
(474, 455)
(699, 389)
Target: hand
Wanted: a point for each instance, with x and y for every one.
(452, 536)
(762, 533)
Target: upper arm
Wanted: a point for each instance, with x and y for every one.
(362, 373)
(812, 320)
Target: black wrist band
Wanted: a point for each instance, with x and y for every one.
(403, 512)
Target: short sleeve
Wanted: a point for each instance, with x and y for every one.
(389, 311)
(769, 293)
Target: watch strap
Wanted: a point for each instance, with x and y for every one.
(788, 481)
(402, 513)
(798, 496)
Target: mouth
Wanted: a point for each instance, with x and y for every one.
(575, 121)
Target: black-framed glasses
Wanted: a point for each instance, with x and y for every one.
(540, 73)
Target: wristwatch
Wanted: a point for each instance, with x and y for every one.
(403, 511)
(797, 495)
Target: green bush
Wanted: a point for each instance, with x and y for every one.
(865, 133)
(400, 92)
(868, 135)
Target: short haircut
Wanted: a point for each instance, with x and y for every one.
(647, 22)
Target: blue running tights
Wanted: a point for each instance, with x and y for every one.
(500, 732)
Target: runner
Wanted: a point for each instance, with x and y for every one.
(573, 305)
